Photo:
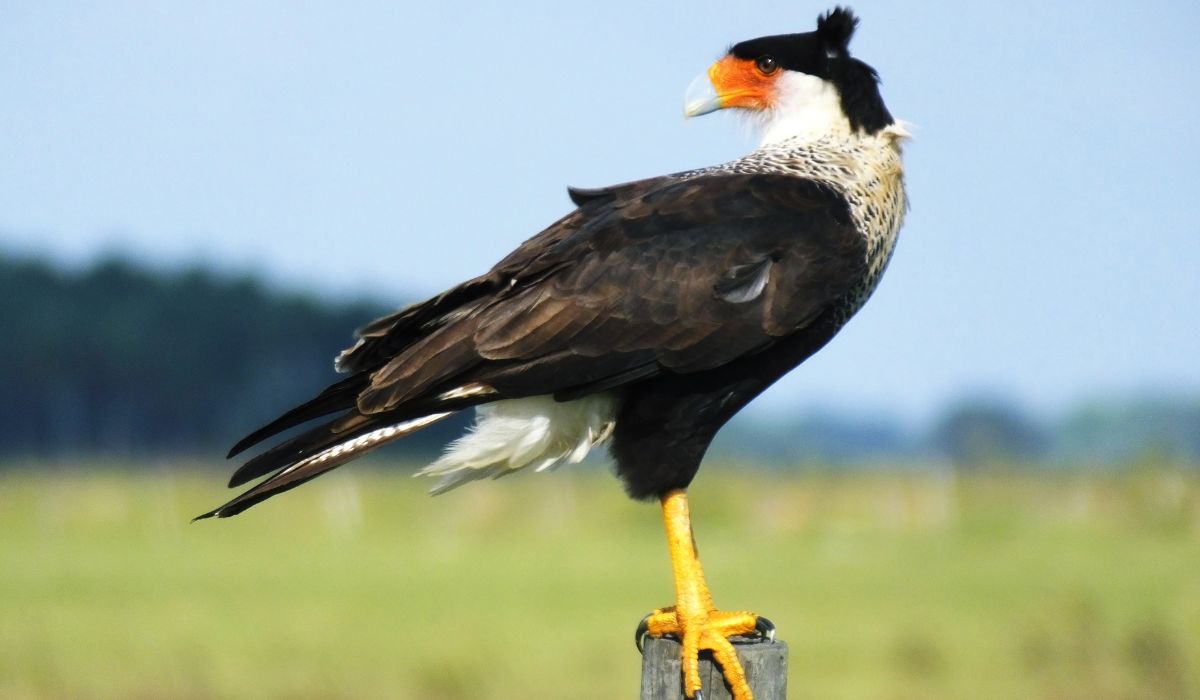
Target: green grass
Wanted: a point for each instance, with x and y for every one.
(361, 586)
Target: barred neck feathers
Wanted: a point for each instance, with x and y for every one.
(865, 168)
(839, 157)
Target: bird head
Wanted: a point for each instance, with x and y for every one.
(797, 85)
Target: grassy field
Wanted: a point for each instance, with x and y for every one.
(361, 586)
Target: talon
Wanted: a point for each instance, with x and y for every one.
(698, 696)
(765, 628)
(639, 635)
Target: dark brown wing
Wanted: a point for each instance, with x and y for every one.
(659, 276)
(673, 276)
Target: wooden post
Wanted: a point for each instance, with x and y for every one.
(765, 662)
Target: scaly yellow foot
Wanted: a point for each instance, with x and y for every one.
(693, 619)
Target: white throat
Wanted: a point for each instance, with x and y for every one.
(807, 108)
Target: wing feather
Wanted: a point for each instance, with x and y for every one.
(668, 275)
(698, 272)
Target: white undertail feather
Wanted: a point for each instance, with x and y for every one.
(466, 391)
(365, 443)
(536, 432)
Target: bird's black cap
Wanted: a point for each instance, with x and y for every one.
(809, 52)
(825, 54)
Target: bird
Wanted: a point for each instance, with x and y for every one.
(643, 319)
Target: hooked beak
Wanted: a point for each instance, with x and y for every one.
(730, 82)
(701, 97)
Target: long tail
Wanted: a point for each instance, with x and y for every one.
(333, 443)
(314, 462)
(402, 370)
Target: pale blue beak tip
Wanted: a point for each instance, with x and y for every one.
(701, 97)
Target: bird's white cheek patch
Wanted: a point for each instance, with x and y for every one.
(536, 432)
(806, 107)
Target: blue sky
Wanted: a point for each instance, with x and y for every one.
(1052, 251)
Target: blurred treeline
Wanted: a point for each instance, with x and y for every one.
(983, 431)
(118, 359)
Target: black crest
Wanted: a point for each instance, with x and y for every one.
(835, 28)
(825, 53)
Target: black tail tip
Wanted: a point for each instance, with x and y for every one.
(216, 512)
(241, 445)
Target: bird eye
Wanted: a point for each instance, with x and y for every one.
(766, 64)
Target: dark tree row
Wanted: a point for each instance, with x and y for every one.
(119, 360)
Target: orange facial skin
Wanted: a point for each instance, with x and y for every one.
(740, 83)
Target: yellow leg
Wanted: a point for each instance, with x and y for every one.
(693, 618)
